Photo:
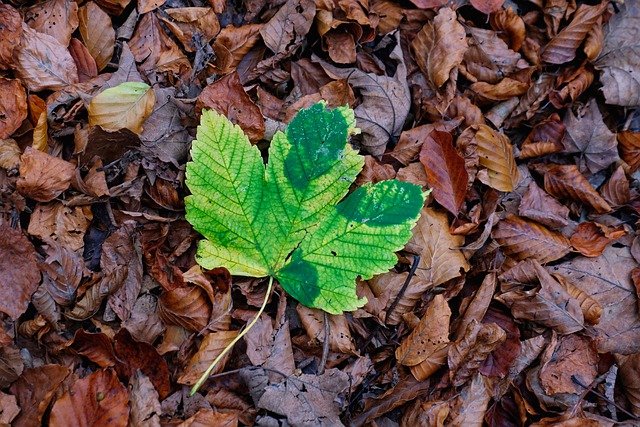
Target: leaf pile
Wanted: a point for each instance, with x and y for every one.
(514, 302)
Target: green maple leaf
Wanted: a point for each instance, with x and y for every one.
(291, 220)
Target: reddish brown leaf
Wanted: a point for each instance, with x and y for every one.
(510, 27)
(629, 146)
(61, 223)
(539, 206)
(188, 23)
(227, 97)
(590, 238)
(496, 158)
(571, 85)
(143, 401)
(487, 6)
(19, 272)
(95, 347)
(522, 239)
(545, 138)
(211, 347)
(466, 355)
(56, 18)
(591, 310)
(499, 361)
(10, 33)
(446, 173)
(616, 190)
(562, 48)
(506, 88)
(34, 401)
(42, 176)
(566, 182)
(439, 46)
(573, 358)
(488, 58)
(13, 106)
(97, 33)
(98, 399)
(232, 44)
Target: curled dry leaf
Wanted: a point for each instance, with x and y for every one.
(522, 239)
(545, 138)
(143, 401)
(10, 408)
(478, 306)
(439, 46)
(10, 154)
(487, 6)
(188, 307)
(210, 348)
(425, 347)
(10, 33)
(469, 407)
(386, 287)
(446, 173)
(287, 29)
(616, 191)
(227, 97)
(466, 355)
(63, 271)
(629, 146)
(549, 304)
(500, 361)
(591, 310)
(66, 225)
(571, 85)
(188, 23)
(488, 58)
(13, 106)
(19, 272)
(539, 206)
(97, 33)
(590, 238)
(43, 63)
(96, 347)
(339, 336)
(590, 137)
(629, 375)
(125, 106)
(440, 260)
(56, 18)
(574, 356)
(426, 414)
(566, 182)
(496, 158)
(562, 48)
(619, 58)
(232, 44)
(505, 89)
(411, 140)
(97, 399)
(510, 27)
(385, 101)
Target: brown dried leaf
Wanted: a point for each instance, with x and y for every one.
(19, 272)
(227, 97)
(590, 238)
(96, 347)
(288, 28)
(591, 310)
(10, 34)
(210, 348)
(43, 177)
(477, 307)
(506, 88)
(440, 261)
(188, 307)
(13, 106)
(429, 337)
(56, 18)
(539, 206)
(10, 154)
(573, 357)
(97, 399)
(470, 406)
(496, 157)
(616, 190)
(619, 58)
(189, 22)
(572, 85)
(440, 46)
(34, 401)
(510, 27)
(629, 375)
(42, 63)
(467, 354)
(385, 101)
(446, 173)
(340, 339)
(487, 6)
(411, 140)
(562, 48)
(8, 408)
(566, 182)
(522, 239)
(549, 304)
(426, 414)
(545, 138)
(232, 44)
(500, 361)
(97, 33)
(488, 58)
(144, 403)
(629, 146)
(589, 136)
(65, 225)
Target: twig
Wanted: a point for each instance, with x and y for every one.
(414, 267)
(603, 397)
(325, 345)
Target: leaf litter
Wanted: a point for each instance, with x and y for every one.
(521, 276)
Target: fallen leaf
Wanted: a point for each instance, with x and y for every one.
(34, 401)
(446, 173)
(424, 413)
(629, 147)
(385, 101)
(619, 58)
(522, 239)
(488, 58)
(113, 7)
(10, 34)
(232, 44)
(97, 399)
(10, 154)
(61, 223)
(487, 6)
(439, 46)
(548, 304)
(13, 106)
(97, 347)
(496, 158)
(56, 18)
(287, 29)
(227, 97)
(540, 207)
(470, 405)
(501, 360)
(562, 48)
(590, 137)
(466, 355)
(616, 190)
(340, 339)
(308, 399)
(440, 260)
(590, 238)
(189, 23)
(566, 182)
(97, 33)
(510, 27)
(573, 357)
(10, 408)
(144, 402)
(570, 85)
(545, 138)
(591, 310)
(125, 106)
(211, 347)
(43, 63)
(629, 375)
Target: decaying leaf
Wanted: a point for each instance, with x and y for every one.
(210, 348)
(13, 106)
(125, 106)
(97, 33)
(10, 33)
(466, 355)
(590, 238)
(499, 169)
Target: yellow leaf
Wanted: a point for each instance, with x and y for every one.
(125, 106)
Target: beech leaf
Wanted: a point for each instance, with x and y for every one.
(254, 217)
(125, 106)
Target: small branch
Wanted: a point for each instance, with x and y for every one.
(414, 267)
(325, 345)
(204, 376)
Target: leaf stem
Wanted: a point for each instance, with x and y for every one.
(217, 360)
